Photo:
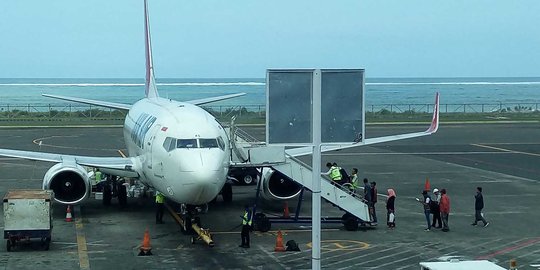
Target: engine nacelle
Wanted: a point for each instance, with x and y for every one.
(277, 186)
(69, 183)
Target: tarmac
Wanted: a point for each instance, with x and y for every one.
(502, 158)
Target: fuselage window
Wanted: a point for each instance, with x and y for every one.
(221, 143)
(186, 143)
(208, 143)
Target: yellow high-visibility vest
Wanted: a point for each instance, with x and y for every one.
(335, 174)
(160, 198)
(245, 220)
(354, 182)
(98, 176)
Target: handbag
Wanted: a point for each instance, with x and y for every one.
(391, 217)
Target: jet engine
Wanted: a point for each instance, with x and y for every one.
(69, 182)
(277, 186)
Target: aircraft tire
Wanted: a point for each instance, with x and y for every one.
(248, 179)
(9, 245)
(122, 195)
(262, 223)
(107, 196)
(351, 224)
(227, 193)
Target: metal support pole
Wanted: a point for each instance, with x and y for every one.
(316, 174)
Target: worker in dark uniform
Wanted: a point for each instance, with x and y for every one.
(247, 220)
(160, 199)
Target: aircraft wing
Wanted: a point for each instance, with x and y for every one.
(92, 102)
(112, 163)
(213, 99)
(300, 151)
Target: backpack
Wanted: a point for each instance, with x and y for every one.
(344, 176)
(292, 246)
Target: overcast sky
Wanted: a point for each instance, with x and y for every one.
(242, 38)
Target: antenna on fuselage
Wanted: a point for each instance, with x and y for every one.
(150, 88)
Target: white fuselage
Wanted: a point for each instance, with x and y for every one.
(183, 151)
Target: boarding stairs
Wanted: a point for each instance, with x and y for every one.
(248, 152)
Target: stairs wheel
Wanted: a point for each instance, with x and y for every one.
(351, 224)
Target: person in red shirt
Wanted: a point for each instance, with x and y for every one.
(445, 209)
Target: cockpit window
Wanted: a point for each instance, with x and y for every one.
(221, 143)
(172, 146)
(172, 143)
(208, 143)
(186, 143)
(169, 144)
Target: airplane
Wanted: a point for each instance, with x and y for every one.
(176, 148)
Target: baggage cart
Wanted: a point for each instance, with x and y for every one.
(27, 215)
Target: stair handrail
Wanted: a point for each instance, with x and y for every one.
(326, 178)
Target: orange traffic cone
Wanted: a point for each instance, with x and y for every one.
(427, 186)
(69, 218)
(146, 249)
(279, 242)
(286, 210)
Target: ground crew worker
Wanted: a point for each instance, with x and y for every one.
(333, 173)
(247, 220)
(160, 200)
(354, 180)
(98, 176)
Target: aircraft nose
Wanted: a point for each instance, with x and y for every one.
(202, 161)
(203, 185)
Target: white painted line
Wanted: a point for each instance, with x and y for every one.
(528, 254)
(397, 261)
(356, 257)
(506, 150)
(492, 181)
(273, 257)
(496, 173)
(483, 244)
(384, 257)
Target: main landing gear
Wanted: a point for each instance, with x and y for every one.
(114, 188)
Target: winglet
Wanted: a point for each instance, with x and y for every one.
(150, 88)
(435, 120)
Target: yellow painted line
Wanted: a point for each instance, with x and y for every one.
(506, 150)
(347, 245)
(82, 249)
(121, 153)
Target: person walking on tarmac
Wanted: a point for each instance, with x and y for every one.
(247, 220)
(425, 203)
(373, 202)
(160, 200)
(333, 173)
(390, 209)
(445, 210)
(435, 209)
(478, 206)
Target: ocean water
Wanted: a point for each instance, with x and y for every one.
(379, 91)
